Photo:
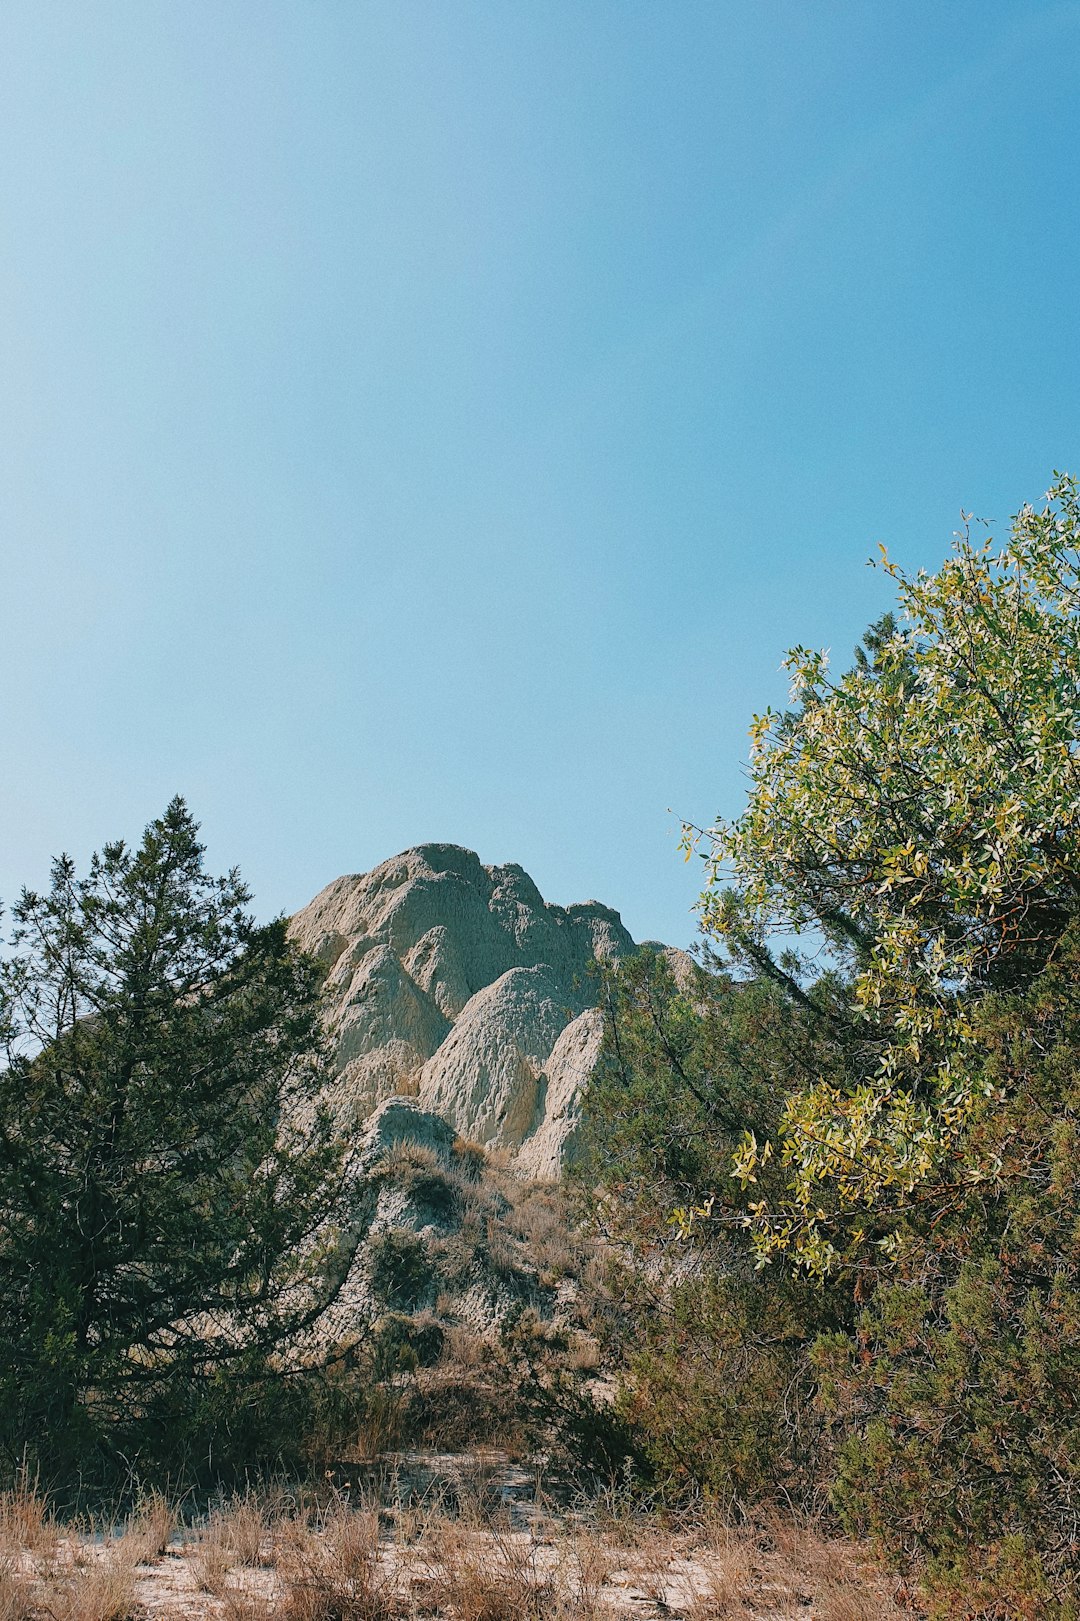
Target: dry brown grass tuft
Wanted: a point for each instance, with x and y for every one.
(150, 1528)
(541, 1220)
(450, 1558)
(725, 1586)
(843, 1603)
(27, 1524)
(100, 1588)
(16, 1593)
(805, 1563)
(210, 1566)
(471, 1157)
(586, 1569)
(237, 1605)
(59, 1576)
(482, 1570)
(649, 1562)
(464, 1349)
(235, 1535)
(334, 1571)
(403, 1158)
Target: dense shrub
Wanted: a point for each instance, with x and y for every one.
(712, 1357)
(959, 1396)
(906, 1124)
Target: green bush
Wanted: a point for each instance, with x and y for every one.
(904, 1127)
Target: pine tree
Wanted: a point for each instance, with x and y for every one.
(169, 1185)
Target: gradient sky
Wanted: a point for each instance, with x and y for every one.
(432, 419)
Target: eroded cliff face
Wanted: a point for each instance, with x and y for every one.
(459, 985)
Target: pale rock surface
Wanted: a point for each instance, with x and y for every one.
(402, 1120)
(459, 985)
(571, 1062)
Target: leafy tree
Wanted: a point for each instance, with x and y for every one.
(921, 815)
(168, 1180)
(922, 812)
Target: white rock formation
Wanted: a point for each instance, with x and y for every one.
(459, 985)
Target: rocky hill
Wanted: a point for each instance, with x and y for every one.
(458, 985)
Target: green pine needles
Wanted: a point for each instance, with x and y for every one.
(169, 1187)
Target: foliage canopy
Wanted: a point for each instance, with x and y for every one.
(922, 812)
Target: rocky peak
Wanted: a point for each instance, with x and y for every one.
(458, 984)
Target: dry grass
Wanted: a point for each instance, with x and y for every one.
(505, 1252)
(464, 1350)
(27, 1524)
(16, 1590)
(726, 1580)
(46, 1573)
(471, 1158)
(234, 1536)
(259, 1561)
(487, 1572)
(539, 1218)
(804, 1562)
(334, 1570)
(403, 1158)
(231, 1538)
(100, 1589)
(151, 1528)
(236, 1605)
(588, 1567)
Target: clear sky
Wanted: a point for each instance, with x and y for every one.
(432, 419)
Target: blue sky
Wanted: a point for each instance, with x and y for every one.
(434, 420)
